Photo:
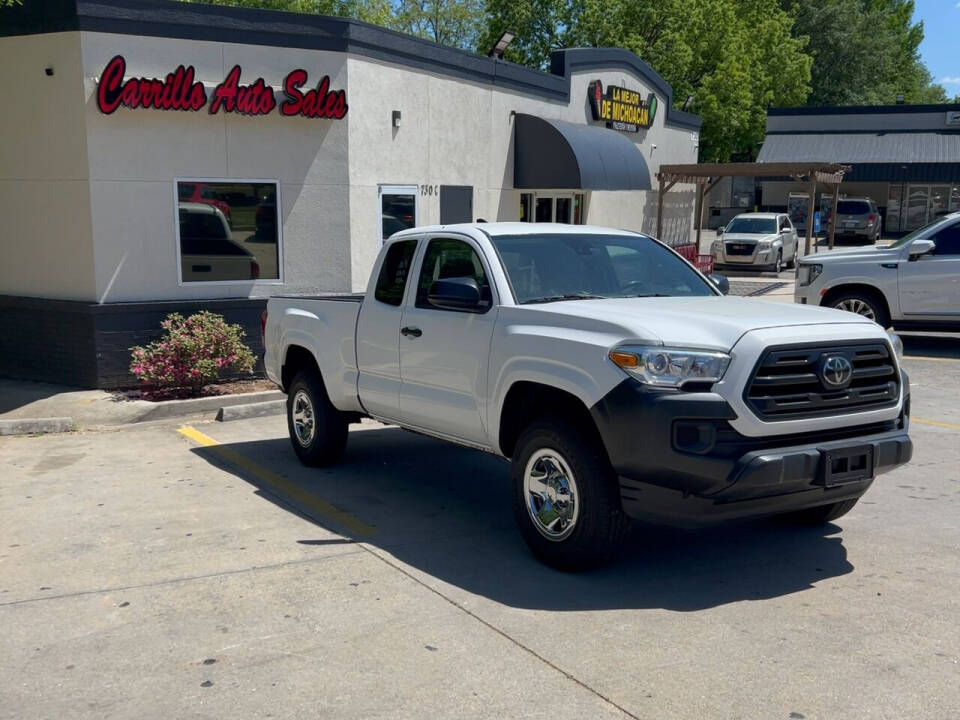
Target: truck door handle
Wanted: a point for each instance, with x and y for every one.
(411, 332)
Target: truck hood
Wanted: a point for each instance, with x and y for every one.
(862, 254)
(716, 323)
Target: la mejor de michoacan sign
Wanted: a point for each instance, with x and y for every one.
(181, 91)
(620, 108)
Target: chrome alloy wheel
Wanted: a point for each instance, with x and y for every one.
(550, 490)
(303, 422)
(858, 306)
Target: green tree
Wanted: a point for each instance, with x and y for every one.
(449, 22)
(734, 57)
(864, 52)
(378, 12)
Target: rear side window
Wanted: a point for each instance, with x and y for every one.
(853, 207)
(393, 274)
(948, 240)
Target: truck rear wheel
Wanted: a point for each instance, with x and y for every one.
(566, 500)
(318, 431)
(821, 514)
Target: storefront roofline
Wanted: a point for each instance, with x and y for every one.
(215, 23)
(862, 109)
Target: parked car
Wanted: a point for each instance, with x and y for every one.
(767, 240)
(198, 192)
(617, 380)
(208, 252)
(915, 282)
(265, 219)
(858, 219)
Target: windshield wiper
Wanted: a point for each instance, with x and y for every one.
(650, 295)
(568, 296)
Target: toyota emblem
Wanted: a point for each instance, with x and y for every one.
(836, 371)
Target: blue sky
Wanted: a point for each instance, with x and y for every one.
(941, 23)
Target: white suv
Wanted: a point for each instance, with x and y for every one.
(765, 240)
(913, 283)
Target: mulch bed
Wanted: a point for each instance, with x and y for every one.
(227, 387)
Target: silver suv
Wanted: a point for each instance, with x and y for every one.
(767, 240)
(858, 219)
(913, 283)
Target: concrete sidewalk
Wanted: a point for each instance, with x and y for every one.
(24, 400)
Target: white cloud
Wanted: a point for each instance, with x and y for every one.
(950, 80)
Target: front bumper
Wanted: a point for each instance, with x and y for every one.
(679, 460)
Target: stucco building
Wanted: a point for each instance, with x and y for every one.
(161, 156)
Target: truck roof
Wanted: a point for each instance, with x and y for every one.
(518, 228)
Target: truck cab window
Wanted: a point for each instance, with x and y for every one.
(447, 258)
(394, 272)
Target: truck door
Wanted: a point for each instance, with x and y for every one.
(444, 353)
(930, 284)
(378, 333)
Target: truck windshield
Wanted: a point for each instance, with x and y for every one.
(547, 268)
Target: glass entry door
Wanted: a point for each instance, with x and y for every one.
(918, 198)
(398, 209)
(564, 208)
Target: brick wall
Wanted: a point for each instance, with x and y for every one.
(88, 345)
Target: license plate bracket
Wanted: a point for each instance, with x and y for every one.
(846, 465)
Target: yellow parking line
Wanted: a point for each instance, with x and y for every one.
(931, 359)
(278, 482)
(936, 423)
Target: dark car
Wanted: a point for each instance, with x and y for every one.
(858, 219)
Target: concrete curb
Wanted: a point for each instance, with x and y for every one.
(193, 406)
(252, 410)
(32, 426)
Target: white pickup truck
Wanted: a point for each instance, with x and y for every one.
(618, 381)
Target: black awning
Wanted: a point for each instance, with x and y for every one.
(554, 154)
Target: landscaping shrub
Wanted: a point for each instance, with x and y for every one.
(193, 352)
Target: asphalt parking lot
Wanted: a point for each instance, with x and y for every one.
(160, 571)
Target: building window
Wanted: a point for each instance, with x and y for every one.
(398, 209)
(228, 230)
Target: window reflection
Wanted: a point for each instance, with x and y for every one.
(228, 231)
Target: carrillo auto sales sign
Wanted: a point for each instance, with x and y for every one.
(180, 90)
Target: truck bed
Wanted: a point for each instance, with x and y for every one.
(336, 297)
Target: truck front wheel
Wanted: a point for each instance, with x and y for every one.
(566, 499)
(318, 431)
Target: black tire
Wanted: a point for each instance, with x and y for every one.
(851, 299)
(821, 514)
(325, 444)
(600, 525)
(792, 264)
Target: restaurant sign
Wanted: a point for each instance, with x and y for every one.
(620, 108)
(180, 90)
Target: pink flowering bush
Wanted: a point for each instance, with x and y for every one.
(193, 352)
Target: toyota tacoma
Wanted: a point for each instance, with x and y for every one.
(617, 380)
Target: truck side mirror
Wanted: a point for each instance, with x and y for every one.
(921, 247)
(721, 283)
(461, 293)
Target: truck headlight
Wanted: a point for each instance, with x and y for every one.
(808, 272)
(763, 245)
(670, 367)
(897, 344)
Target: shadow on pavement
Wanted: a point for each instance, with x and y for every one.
(445, 511)
(945, 346)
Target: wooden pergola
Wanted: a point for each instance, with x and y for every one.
(705, 176)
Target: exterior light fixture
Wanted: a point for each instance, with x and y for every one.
(501, 45)
(900, 99)
(396, 118)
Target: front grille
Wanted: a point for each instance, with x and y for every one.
(740, 248)
(788, 382)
